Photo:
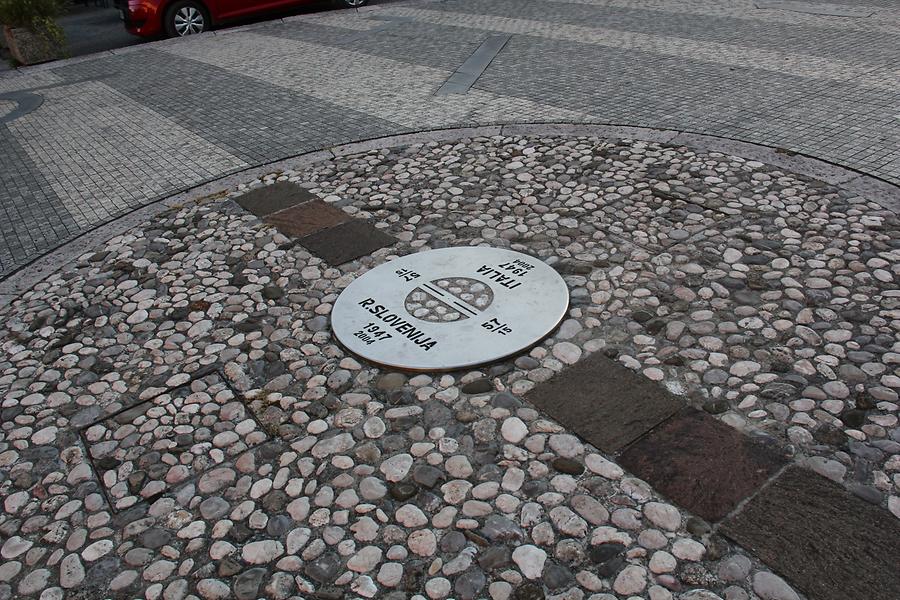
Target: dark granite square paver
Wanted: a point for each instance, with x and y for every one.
(347, 241)
(268, 199)
(702, 464)
(828, 543)
(605, 403)
(307, 218)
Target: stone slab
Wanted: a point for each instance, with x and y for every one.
(828, 543)
(702, 464)
(307, 218)
(347, 241)
(269, 199)
(605, 403)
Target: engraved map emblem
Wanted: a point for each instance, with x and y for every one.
(449, 300)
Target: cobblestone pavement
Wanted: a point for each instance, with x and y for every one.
(85, 141)
(178, 422)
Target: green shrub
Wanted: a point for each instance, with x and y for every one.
(38, 16)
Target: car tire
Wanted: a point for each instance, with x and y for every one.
(351, 3)
(187, 17)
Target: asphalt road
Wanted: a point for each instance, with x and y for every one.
(95, 29)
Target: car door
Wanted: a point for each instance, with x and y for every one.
(229, 9)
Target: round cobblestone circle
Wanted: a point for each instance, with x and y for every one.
(766, 298)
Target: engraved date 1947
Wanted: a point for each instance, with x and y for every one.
(372, 333)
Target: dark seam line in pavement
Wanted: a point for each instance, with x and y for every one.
(468, 73)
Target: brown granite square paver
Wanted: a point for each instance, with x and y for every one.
(267, 199)
(702, 464)
(605, 403)
(828, 543)
(347, 241)
(307, 218)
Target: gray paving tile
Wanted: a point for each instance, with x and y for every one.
(816, 9)
(850, 122)
(413, 42)
(32, 217)
(873, 48)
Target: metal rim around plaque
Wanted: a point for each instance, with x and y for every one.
(452, 308)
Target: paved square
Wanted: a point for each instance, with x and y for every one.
(102, 144)
(573, 468)
(731, 243)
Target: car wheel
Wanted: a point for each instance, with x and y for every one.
(352, 3)
(186, 17)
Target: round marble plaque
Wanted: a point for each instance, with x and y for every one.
(450, 308)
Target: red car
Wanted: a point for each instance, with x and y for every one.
(174, 18)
